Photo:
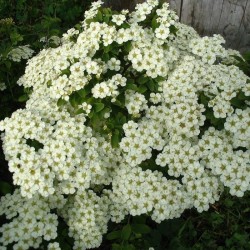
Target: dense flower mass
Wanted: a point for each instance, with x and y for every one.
(134, 113)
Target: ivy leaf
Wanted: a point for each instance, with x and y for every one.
(126, 232)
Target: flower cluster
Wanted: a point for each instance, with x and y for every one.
(133, 113)
(2, 86)
(55, 40)
(32, 220)
(21, 52)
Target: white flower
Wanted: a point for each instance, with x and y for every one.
(101, 90)
(2, 86)
(162, 32)
(118, 19)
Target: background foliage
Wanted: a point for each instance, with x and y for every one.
(227, 223)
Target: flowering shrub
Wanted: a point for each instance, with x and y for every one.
(133, 114)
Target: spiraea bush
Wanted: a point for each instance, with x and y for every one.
(132, 114)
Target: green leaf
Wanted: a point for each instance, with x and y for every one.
(23, 98)
(78, 26)
(120, 101)
(142, 89)
(114, 235)
(152, 86)
(76, 98)
(65, 72)
(105, 57)
(107, 48)
(160, 79)
(131, 86)
(173, 29)
(115, 139)
(130, 81)
(79, 111)
(154, 23)
(142, 79)
(82, 93)
(106, 11)
(140, 228)
(89, 21)
(49, 83)
(126, 232)
(15, 38)
(237, 102)
(128, 46)
(246, 56)
(61, 102)
(125, 25)
(106, 19)
(120, 119)
(35, 144)
(228, 202)
(98, 107)
(99, 16)
(95, 120)
(204, 99)
(115, 51)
